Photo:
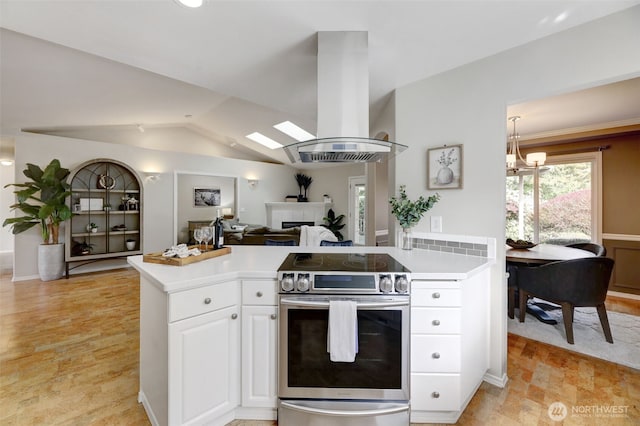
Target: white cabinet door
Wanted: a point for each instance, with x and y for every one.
(203, 366)
(259, 356)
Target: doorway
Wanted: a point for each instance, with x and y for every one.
(357, 209)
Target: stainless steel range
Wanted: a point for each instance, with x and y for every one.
(372, 388)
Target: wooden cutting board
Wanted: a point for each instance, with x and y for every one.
(177, 261)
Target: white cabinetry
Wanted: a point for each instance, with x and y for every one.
(189, 354)
(449, 346)
(259, 349)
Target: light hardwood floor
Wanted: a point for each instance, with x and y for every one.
(69, 356)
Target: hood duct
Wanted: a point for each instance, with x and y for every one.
(343, 105)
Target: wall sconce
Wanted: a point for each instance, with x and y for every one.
(151, 177)
(252, 182)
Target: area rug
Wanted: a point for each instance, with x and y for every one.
(587, 334)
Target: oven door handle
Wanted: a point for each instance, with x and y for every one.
(343, 413)
(311, 303)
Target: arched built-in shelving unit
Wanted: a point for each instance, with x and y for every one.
(107, 193)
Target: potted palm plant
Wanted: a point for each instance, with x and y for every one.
(334, 224)
(42, 200)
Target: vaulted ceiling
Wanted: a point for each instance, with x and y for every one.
(100, 69)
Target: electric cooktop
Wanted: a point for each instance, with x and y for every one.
(342, 262)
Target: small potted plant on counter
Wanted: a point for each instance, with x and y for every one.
(409, 213)
(92, 227)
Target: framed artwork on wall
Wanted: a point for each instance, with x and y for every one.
(206, 197)
(444, 167)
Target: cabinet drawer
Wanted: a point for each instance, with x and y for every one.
(435, 353)
(435, 392)
(420, 284)
(436, 297)
(256, 292)
(198, 301)
(435, 320)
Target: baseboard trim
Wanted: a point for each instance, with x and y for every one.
(500, 381)
(624, 295)
(142, 399)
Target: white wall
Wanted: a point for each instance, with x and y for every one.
(186, 211)
(276, 181)
(468, 105)
(7, 198)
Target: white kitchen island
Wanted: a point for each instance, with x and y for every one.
(208, 334)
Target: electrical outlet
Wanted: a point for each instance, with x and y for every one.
(436, 223)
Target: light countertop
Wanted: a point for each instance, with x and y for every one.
(262, 262)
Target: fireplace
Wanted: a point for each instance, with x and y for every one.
(279, 214)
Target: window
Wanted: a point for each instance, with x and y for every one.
(557, 204)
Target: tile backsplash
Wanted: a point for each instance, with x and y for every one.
(469, 249)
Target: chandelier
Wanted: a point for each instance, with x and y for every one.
(533, 159)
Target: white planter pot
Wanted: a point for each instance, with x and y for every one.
(51, 261)
(131, 245)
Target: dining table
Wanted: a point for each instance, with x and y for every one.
(545, 253)
(539, 255)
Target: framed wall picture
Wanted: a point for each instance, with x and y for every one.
(206, 197)
(444, 167)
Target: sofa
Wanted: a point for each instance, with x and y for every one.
(236, 233)
(256, 235)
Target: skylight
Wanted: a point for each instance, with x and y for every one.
(191, 3)
(296, 132)
(263, 140)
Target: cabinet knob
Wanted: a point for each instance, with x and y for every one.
(436, 295)
(273, 316)
(435, 355)
(234, 316)
(207, 301)
(259, 294)
(435, 322)
(435, 394)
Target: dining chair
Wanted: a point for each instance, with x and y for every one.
(280, 242)
(512, 289)
(569, 283)
(345, 243)
(594, 248)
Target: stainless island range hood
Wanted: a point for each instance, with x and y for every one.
(343, 105)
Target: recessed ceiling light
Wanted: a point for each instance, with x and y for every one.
(191, 3)
(296, 132)
(262, 139)
(561, 17)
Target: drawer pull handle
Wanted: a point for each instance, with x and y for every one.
(435, 355)
(273, 316)
(436, 295)
(435, 322)
(435, 394)
(234, 316)
(259, 294)
(207, 301)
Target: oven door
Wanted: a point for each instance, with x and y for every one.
(381, 368)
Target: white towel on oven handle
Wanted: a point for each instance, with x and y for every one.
(342, 334)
